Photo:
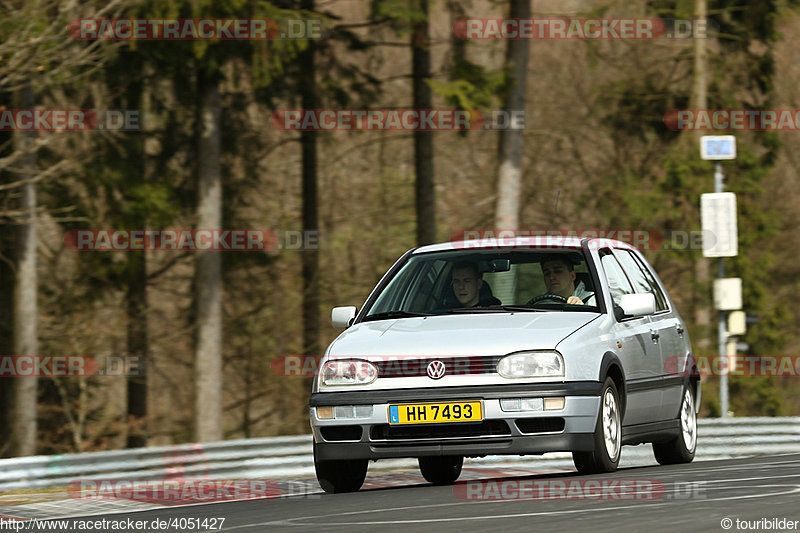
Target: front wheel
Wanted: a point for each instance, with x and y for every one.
(681, 448)
(345, 475)
(607, 435)
(441, 470)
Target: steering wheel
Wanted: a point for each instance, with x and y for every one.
(548, 296)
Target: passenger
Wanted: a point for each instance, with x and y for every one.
(467, 285)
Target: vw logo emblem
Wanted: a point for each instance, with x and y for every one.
(435, 369)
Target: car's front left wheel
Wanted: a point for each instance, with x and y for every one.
(345, 475)
(607, 435)
(441, 470)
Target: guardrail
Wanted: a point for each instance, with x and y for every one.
(281, 457)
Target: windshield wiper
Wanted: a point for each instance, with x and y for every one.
(521, 308)
(495, 309)
(394, 314)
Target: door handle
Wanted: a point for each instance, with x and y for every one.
(654, 335)
(679, 329)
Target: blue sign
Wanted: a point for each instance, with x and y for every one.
(718, 147)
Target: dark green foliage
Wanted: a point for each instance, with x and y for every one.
(662, 191)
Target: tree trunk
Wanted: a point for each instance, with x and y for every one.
(23, 429)
(702, 265)
(425, 193)
(510, 147)
(136, 296)
(7, 279)
(309, 258)
(208, 273)
(699, 83)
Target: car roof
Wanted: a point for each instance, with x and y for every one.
(504, 244)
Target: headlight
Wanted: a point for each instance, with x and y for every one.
(531, 365)
(348, 372)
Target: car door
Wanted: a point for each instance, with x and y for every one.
(640, 356)
(673, 339)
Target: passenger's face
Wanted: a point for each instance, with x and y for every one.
(466, 286)
(558, 278)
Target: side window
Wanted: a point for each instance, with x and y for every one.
(389, 298)
(422, 289)
(636, 275)
(411, 289)
(617, 281)
(633, 263)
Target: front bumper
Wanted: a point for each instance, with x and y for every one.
(501, 433)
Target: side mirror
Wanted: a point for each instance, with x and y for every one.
(342, 317)
(633, 305)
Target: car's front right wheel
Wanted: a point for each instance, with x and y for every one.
(441, 470)
(680, 449)
(607, 435)
(345, 475)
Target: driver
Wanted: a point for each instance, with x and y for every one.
(559, 278)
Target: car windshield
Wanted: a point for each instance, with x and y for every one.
(470, 281)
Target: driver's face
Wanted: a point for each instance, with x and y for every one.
(558, 278)
(466, 286)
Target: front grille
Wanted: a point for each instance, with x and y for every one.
(333, 433)
(487, 428)
(409, 367)
(540, 425)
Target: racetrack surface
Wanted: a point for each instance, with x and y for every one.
(692, 497)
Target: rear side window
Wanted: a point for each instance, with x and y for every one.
(617, 281)
(641, 278)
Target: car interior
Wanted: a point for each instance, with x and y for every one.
(513, 278)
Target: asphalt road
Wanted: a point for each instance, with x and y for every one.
(693, 497)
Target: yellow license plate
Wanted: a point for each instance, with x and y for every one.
(435, 413)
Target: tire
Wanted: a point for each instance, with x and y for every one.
(607, 435)
(680, 449)
(346, 475)
(441, 470)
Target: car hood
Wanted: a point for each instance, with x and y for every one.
(462, 334)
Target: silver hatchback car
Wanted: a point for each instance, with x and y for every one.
(514, 346)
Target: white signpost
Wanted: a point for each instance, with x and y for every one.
(718, 214)
(728, 294)
(737, 323)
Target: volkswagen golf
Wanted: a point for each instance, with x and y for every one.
(516, 346)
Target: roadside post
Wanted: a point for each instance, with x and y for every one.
(718, 215)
